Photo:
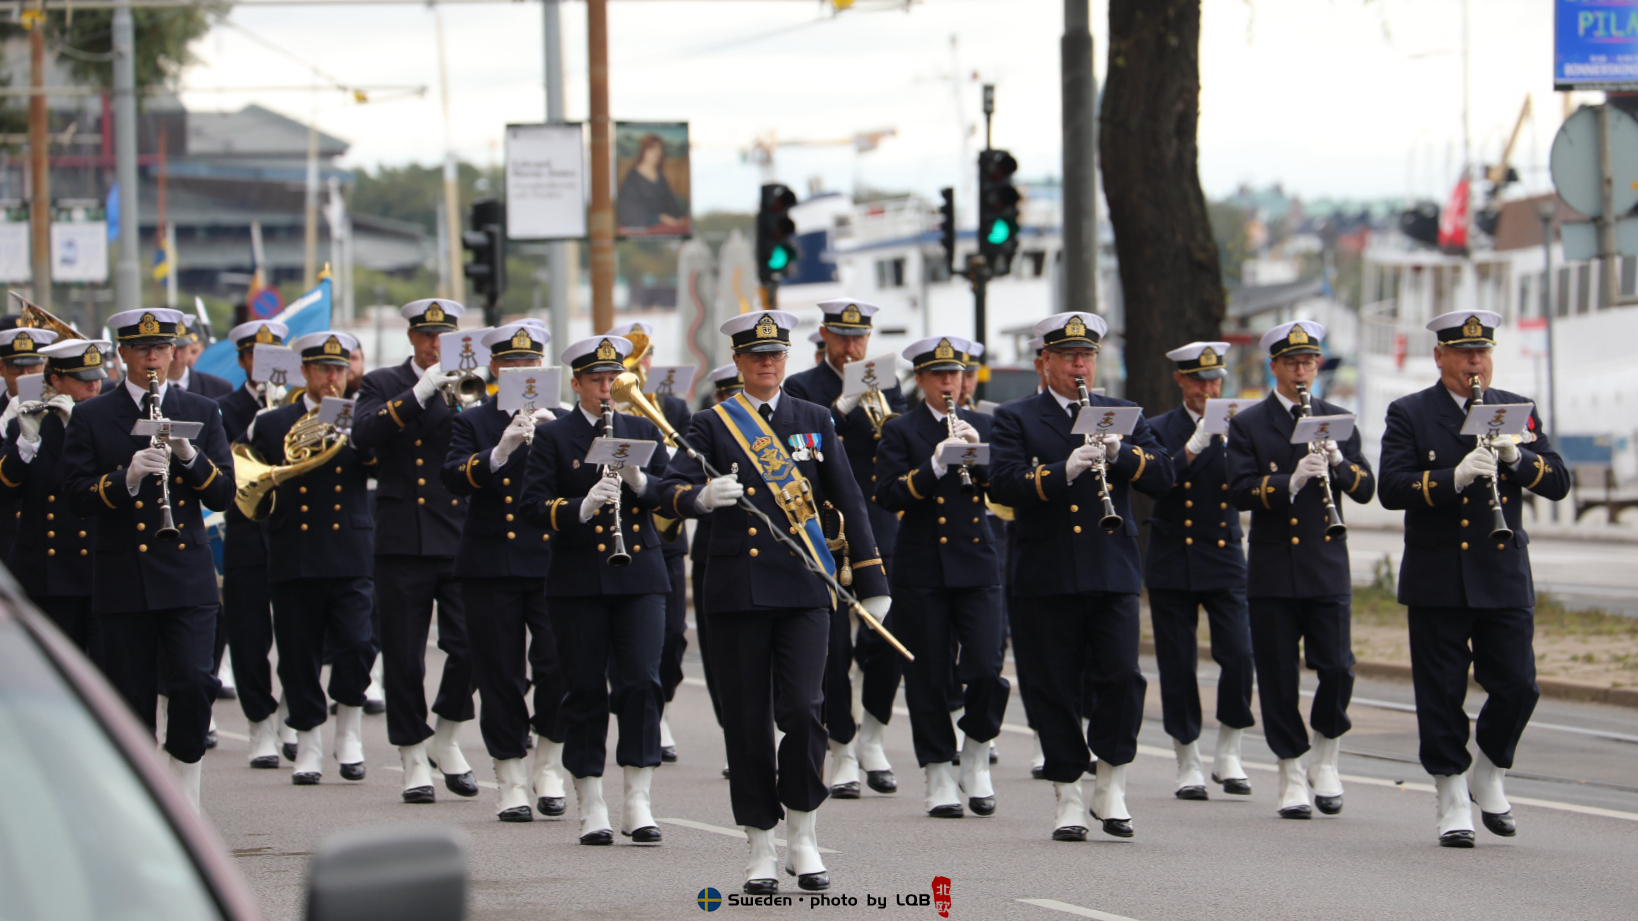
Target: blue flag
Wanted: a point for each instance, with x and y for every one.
(309, 313)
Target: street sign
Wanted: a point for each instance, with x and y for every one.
(1595, 45)
(545, 176)
(1581, 239)
(1575, 166)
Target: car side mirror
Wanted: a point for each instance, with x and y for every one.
(388, 874)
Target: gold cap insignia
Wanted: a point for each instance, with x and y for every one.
(521, 340)
(1208, 358)
(851, 314)
(23, 343)
(332, 346)
(1297, 336)
(434, 314)
(92, 357)
(944, 351)
(607, 352)
(766, 328)
(1473, 329)
(148, 326)
(265, 335)
(1075, 328)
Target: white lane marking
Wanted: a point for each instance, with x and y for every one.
(1076, 910)
(726, 832)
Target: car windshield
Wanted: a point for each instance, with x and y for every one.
(81, 839)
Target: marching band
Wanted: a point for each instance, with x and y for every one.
(833, 527)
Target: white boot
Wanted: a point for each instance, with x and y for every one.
(513, 780)
(1109, 799)
(264, 744)
(668, 743)
(225, 675)
(1294, 803)
(762, 873)
(417, 773)
(844, 770)
(375, 696)
(955, 723)
(1455, 810)
(637, 822)
(975, 776)
(802, 858)
(873, 758)
(594, 813)
(187, 775)
(162, 719)
(943, 799)
(1191, 774)
(444, 751)
(350, 741)
(1069, 824)
(287, 735)
(1323, 775)
(1485, 779)
(550, 798)
(1225, 764)
(1037, 763)
(309, 756)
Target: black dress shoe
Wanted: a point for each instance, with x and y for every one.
(1296, 812)
(668, 754)
(553, 806)
(761, 887)
(1119, 828)
(420, 795)
(374, 707)
(1500, 823)
(849, 790)
(1192, 793)
(813, 882)
(603, 837)
(956, 760)
(1462, 837)
(289, 749)
(461, 784)
(210, 739)
(947, 811)
(981, 805)
(516, 814)
(352, 771)
(265, 762)
(1069, 833)
(227, 693)
(304, 779)
(648, 834)
(994, 758)
(1330, 805)
(332, 708)
(882, 781)
(725, 772)
(1038, 773)
(1237, 786)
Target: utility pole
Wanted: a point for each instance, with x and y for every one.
(127, 272)
(452, 198)
(557, 251)
(1079, 278)
(601, 218)
(39, 149)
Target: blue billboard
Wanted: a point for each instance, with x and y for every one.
(1595, 45)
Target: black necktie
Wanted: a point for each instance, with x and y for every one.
(767, 412)
(1296, 410)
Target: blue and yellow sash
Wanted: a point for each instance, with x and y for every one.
(790, 488)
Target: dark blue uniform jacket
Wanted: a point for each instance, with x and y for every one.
(497, 542)
(415, 513)
(945, 539)
(321, 526)
(1194, 536)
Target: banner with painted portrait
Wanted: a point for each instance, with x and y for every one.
(652, 191)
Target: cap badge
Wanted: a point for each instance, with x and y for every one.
(521, 340)
(607, 352)
(23, 343)
(944, 351)
(1473, 329)
(265, 335)
(332, 346)
(1075, 328)
(92, 357)
(148, 326)
(1297, 336)
(766, 328)
(434, 314)
(851, 314)
(1208, 358)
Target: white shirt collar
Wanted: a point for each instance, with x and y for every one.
(307, 399)
(1193, 416)
(595, 419)
(1284, 402)
(420, 372)
(1460, 400)
(1063, 401)
(182, 382)
(137, 393)
(773, 404)
(938, 414)
(833, 369)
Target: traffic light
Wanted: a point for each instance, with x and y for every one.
(486, 241)
(776, 252)
(997, 210)
(947, 228)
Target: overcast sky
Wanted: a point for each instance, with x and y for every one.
(1334, 98)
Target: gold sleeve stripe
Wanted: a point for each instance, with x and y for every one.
(910, 483)
(470, 463)
(1143, 461)
(1040, 471)
(214, 470)
(102, 484)
(1427, 488)
(3, 475)
(1541, 471)
(863, 563)
(1358, 475)
(1263, 492)
(393, 411)
(555, 504)
(676, 497)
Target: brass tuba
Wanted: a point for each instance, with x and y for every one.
(37, 317)
(640, 347)
(627, 393)
(308, 445)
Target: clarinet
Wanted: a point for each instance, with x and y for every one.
(1111, 521)
(1337, 527)
(968, 487)
(619, 557)
(1498, 521)
(161, 439)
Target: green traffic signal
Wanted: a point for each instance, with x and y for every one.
(999, 232)
(779, 258)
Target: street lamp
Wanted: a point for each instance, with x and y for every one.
(1547, 210)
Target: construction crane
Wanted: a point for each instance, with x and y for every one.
(761, 151)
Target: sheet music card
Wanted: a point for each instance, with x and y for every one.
(879, 371)
(673, 380)
(1319, 428)
(1498, 419)
(170, 428)
(337, 411)
(30, 388)
(277, 365)
(953, 456)
(528, 388)
(1220, 412)
(632, 451)
(1106, 420)
(463, 350)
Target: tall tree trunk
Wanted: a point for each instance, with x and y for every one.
(1172, 284)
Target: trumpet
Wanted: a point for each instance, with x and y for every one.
(968, 487)
(874, 404)
(1111, 520)
(1336, 527)
(161, 439)
(619, 557)
(1498, 521)
(466, 391)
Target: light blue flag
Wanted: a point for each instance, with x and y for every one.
(309, 313)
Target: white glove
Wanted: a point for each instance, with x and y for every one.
(62, 404)
(939, 469)
(543, 415)
(1508, 449)
(845, 405)
(431, 381)
(1200, 440)
(145, 463)
(1477, 464)
(964, 431)
(721, 492)
(28, 426)
(1333, 454)
(633, 476)
(1311, 467)
(605, 491)
(183, 449)
(511, 439)
(1081, 460)
(877, 605)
